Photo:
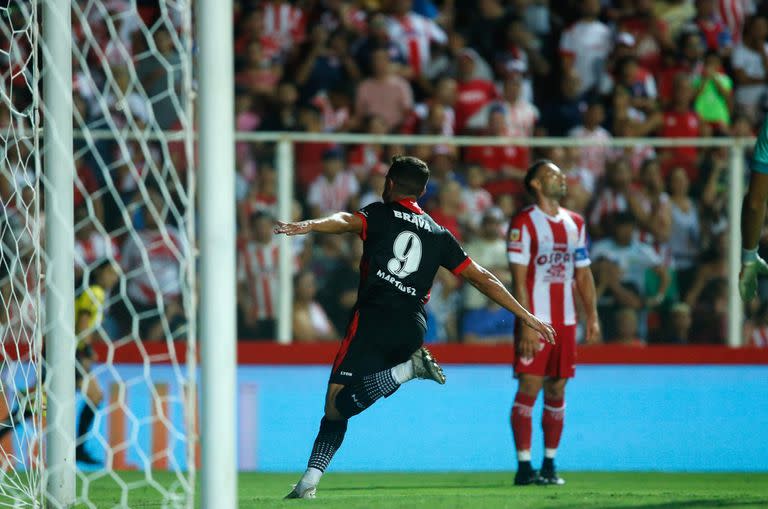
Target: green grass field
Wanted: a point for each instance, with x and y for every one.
(473, 490)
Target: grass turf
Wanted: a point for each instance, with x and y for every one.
(458, 490)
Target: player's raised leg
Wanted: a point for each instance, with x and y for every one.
(552, 421)
(522, 428)
(753, 217)
(345, 401)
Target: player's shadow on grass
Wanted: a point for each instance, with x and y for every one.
(690, 504)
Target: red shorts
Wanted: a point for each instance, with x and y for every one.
(556, 361)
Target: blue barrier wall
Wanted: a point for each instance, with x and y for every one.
(674, 418)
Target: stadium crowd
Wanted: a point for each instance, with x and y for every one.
(588, 69)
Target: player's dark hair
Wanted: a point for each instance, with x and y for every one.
(410, 175)
(533, 170)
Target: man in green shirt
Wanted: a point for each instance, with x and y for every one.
(713, 92)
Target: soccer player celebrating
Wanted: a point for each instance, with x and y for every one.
(402, 250)
(547, 256)
(753, 217)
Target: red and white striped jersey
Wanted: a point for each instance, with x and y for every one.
(414, 33)
(332, 196)
(609, 202)
(552, 248)
(734, 13)
(96, 248)
(258, 267)
(164, 251)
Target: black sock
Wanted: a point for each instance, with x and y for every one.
(524, 466)
(548, 464)
(328, 441)
(355, 398)
(86, 420)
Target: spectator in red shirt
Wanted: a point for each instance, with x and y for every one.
(689, 61)
(473, 93)
(507, 163)
(257, 72)
(716, 33)
(680, 121)
(650, 32)
(449, 208)
(309, 155)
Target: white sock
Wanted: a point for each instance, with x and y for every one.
(550, 453)
(748, 255)
(403, 372)
(310, 478)
(524, 455)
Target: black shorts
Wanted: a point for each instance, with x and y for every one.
(376, 339)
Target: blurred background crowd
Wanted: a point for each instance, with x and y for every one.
(589, 69)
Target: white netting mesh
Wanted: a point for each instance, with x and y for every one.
(20, 258)
(134, 262)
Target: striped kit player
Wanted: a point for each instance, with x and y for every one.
(548, 260)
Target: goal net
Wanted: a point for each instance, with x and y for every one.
(134, 253)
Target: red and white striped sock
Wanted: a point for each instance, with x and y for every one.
(552, 424)
(521, 425)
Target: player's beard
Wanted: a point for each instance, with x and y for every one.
(557, 192)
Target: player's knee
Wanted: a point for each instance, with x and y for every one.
(331, 412)
(350, 401)
(555, 390)
(754, 201)
(529, 387)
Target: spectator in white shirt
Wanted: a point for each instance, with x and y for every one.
(750, 63)
(335, 188)
(586, 45)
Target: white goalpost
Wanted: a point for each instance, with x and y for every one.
(59, 331)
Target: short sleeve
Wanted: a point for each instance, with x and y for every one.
(436, 34)
(581, 255)
(374, 218)
(518, 242)
(453, 256)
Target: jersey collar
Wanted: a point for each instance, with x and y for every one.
(411, 205)
(556, 218)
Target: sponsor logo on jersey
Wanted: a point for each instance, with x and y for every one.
(389, 278)
(553, 258)
(413, 219)
(557, 271)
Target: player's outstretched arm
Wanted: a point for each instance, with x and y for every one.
(340, 222)
(489, 285)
